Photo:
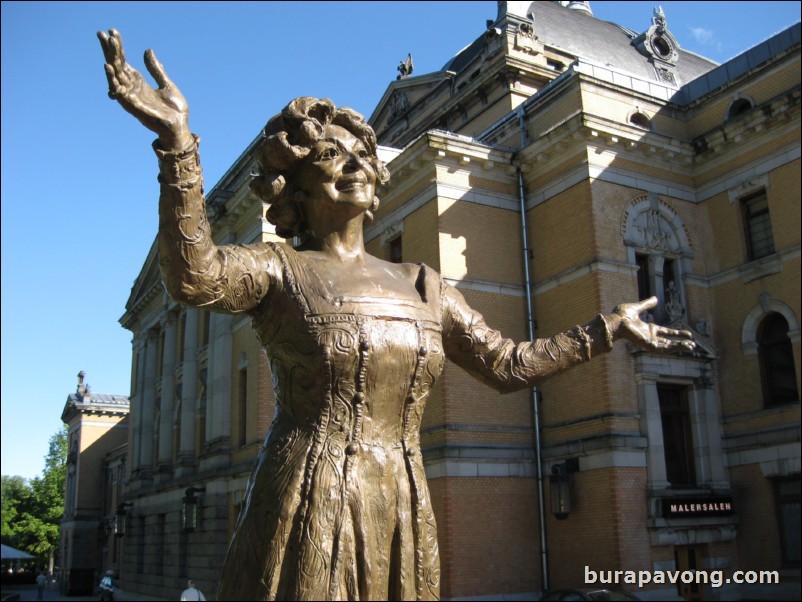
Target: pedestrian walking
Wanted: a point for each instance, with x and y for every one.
(41, 582)
(192, 592)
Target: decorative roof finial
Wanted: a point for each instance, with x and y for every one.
(81, 386)
(582, 7)
(659, 17)
(405, 68)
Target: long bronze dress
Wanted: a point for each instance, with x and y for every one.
(337, 507)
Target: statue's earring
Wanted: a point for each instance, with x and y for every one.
(373, 206)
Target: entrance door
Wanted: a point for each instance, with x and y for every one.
(688, 558)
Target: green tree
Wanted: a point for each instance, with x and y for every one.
(16, 494)
(33, 512)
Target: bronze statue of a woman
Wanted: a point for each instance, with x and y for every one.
(337, 507)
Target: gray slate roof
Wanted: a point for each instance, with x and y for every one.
(599, 41)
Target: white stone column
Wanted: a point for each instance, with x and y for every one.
(165, 459)
(218, 401)
(138, 386)
(652, 427)
(707, 439)
(189, 393)
(148, 405)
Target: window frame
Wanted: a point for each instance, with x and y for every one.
(681, 450)
(772, 347)
(753, 218)
(781, 500)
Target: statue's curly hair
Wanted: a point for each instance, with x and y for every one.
(287, 139)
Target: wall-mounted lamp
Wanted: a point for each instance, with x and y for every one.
(105, 528)
(121, 519)
(189, 508)
(560, 481)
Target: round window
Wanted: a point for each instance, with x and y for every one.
(661, 46)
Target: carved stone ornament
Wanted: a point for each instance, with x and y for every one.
(526, 40)
(659, 44)
(666, 76)
(675, 308)
(651, 231)
(399, 104)
(651, 224)
(405, 68)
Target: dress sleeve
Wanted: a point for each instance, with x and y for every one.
(500, 362)
(226, 278)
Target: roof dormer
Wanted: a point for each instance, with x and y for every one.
(660, 46)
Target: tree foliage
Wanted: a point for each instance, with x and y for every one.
(32, 510)
(15, 498)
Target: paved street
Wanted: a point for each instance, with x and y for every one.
(28, 592)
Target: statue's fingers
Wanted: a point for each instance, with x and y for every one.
(679, 346)
(117, 54)
(679, 334)
(682, 346)
(104, 44)
(118, 42)
(114, 85)
(645, 305)
(156, 69)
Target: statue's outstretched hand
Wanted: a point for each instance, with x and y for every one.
(645, 334)
(162, 110)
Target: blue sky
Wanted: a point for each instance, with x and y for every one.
(79, 191)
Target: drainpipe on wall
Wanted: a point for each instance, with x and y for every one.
(544, 552)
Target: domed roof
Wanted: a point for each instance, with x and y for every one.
(578, 33)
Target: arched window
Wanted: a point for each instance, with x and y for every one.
(640, 120)
(658, 245)
(777, 371)
(739, 107)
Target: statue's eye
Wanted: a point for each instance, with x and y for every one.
(329, 153)
(362, 153)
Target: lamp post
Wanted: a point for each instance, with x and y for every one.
(560, 481)
(121, 519)
(189, 508)
(105, 529)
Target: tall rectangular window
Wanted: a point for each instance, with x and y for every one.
(644, 277)
(140, 546)
(787, 496)
(677, 436)
(395, 250)
(757, 225)
(200, 415)
(182, 329)
(134, 371)
(159, 548)
(243, 406)
(160, 355)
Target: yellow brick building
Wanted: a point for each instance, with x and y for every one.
(641, 170)
(97, 426)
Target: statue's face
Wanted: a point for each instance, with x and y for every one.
(338, 171)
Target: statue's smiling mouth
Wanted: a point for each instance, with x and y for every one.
(354, 182)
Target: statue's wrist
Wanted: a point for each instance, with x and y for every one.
(179, 165)
(613, 323)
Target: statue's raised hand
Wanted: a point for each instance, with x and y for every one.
(162, 110)
(650, 336)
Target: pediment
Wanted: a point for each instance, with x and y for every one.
(148, 278)
(402, 95)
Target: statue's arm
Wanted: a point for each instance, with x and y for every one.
(507, 366)
(195, 270)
